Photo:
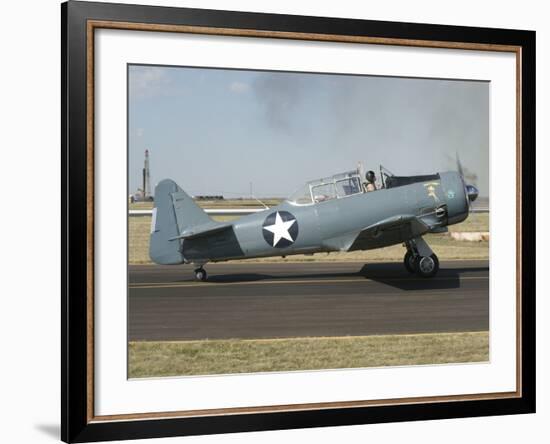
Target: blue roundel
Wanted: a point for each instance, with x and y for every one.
(280, 229)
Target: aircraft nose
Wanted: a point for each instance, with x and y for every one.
(472, 192)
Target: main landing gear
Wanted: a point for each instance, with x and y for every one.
(200, 274)
(420, 259)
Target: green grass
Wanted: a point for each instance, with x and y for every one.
(206, 357)
(445, 247)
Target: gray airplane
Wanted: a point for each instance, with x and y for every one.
(338, 213)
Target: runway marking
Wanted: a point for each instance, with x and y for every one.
(301, 281)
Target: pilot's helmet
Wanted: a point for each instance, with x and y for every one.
(370, 176)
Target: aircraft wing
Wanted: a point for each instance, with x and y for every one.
(388, 231)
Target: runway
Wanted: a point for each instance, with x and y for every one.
(278, 300)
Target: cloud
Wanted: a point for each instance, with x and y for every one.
(148, 81)
(239, 87)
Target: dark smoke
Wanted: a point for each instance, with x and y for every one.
(280, 95)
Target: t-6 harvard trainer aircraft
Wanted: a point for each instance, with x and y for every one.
(338, 213)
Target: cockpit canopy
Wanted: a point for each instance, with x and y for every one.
(333, 187)
(348, 184)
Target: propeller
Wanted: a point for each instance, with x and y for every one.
(459, 167)
(471, 191)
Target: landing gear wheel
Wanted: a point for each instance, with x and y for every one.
(427, 266)
(200, 274)
(409, 262)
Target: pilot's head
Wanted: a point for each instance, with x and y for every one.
(370, 176)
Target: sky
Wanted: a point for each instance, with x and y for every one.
(220, 131)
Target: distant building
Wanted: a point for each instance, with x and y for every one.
(208, 197)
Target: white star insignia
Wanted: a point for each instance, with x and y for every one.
(280, 229)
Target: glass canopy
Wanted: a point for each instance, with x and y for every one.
(328, 188)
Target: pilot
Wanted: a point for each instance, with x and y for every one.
(369, 185)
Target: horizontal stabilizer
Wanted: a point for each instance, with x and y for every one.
(203, 230)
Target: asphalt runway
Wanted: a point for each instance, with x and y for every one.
(277, 300)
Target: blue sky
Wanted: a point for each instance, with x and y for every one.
(214, 131)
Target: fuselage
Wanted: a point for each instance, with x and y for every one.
(333, 224)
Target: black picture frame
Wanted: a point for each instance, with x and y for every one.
(77, 424)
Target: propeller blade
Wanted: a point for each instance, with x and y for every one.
(470, 190)
(459, 166)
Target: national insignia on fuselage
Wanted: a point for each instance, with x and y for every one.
(280, 229)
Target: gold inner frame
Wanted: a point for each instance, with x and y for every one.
(97, 24)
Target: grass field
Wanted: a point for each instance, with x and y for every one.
(445, 247)
(475, 222)
(225, 203)
(207, 357)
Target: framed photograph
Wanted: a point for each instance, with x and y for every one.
(275, 221)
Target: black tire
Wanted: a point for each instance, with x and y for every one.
(200, 274)
(427, 269)
(409, 262)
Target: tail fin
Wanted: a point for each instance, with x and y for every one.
(174, 212)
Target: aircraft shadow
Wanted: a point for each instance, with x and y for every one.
(251, 277)
(391, 274)
(395, 275)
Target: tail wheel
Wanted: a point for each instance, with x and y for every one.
(409, 262)
(427, 266)
(200, 274)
